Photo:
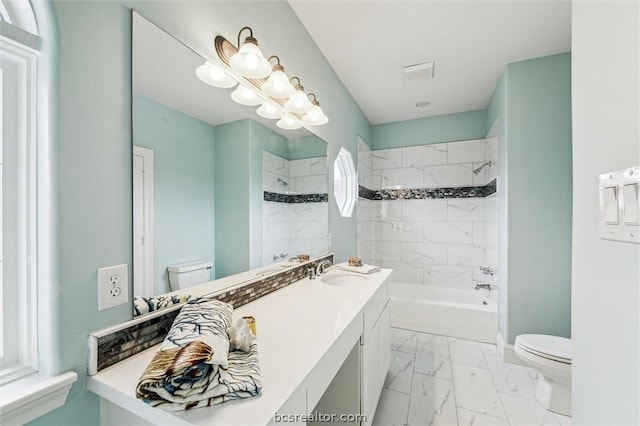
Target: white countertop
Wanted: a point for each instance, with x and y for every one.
(296, 327)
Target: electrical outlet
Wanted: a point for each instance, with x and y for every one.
(113, 286)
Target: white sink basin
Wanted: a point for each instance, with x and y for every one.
(343, 279)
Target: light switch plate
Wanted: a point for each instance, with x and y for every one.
(618, 195)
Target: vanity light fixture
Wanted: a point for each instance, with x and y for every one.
(260, 83)
(298, 103)
(278, 85)
(214, 76)
(315, 116)
(249, 61)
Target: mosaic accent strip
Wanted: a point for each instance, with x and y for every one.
(427, 193)
(135, 338)
(295, 198)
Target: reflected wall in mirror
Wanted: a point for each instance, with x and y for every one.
(198, 175)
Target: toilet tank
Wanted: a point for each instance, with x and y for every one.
(189, 274)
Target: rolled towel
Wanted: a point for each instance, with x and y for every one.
(364, 269)
(193, 367)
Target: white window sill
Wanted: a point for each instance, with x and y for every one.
(33, 396)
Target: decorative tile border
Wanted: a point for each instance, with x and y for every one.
(295, 198)
(116, 344)
(428, 193)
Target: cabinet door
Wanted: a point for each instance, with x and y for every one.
(370, 376)
(384, 333)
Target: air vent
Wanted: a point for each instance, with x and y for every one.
(418, 72)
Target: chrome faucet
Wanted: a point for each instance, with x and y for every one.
(312, 273)
(484, 286)
(322, 266)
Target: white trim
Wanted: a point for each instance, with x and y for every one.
(25, 61)
(34, 396)
(145, 288)
(508, 353)
(20, 14)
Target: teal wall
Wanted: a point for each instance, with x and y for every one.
(183, 154)
(306, 147)
(231, 186)
(423, 131)
(532, 103)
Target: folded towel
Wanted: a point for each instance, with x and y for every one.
(364, 269)
(188, 373)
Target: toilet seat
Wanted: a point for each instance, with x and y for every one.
(553, 348)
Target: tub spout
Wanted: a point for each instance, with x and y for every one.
(484, 286)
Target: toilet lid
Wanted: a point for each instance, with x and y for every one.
(552, 347)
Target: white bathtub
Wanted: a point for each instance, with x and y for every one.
(442, 311)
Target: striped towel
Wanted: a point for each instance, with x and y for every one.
(192, 369)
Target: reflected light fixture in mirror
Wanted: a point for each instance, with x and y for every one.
(245, 96)
(267, 110)
(214, 76)
(288, 123)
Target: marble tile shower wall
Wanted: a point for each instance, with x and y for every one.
(293, 228)
(438, 242)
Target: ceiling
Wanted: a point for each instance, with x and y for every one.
(369, 42)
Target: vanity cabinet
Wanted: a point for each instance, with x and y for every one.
(376, 351)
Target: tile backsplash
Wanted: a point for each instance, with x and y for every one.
(110, 346)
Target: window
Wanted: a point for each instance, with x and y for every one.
(18, 345)
(26, 392)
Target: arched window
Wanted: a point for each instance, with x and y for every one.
(26, 392)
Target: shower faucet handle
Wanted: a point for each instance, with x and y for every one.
(487, 270)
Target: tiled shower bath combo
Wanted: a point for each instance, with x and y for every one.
(294, 207)
(430, 213)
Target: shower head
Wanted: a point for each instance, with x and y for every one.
(282, 182)
(476, 171)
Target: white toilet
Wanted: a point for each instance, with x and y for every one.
(551, 357)
(189, 274)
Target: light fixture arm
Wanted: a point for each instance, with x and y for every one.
(249, 39)
(315, 100)
(299, 85)
(277, 66)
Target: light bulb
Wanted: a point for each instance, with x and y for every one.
(248, 94)
(314, 115)
(251, 61)
(278, 86)
(216, 73)
(270, 108)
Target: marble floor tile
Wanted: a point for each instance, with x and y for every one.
(466, 352)
(432, 401)
(432, 338)
(392, 410)
(489, 349)
(524, 412)
(475, 390)
(433, 359)
(403, 340)
(400, 372)
(470, 418)
(511, 378)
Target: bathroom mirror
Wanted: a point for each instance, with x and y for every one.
(200, 190)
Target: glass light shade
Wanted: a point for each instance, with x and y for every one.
(315, 117)
(245, 96)
(267, 110)
(278, 86)
(214, 76)
(249, 62)
(288, 123)
(298, 103)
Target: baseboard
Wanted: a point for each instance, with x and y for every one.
(507, 352)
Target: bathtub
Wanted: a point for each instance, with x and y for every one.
(443, 311)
